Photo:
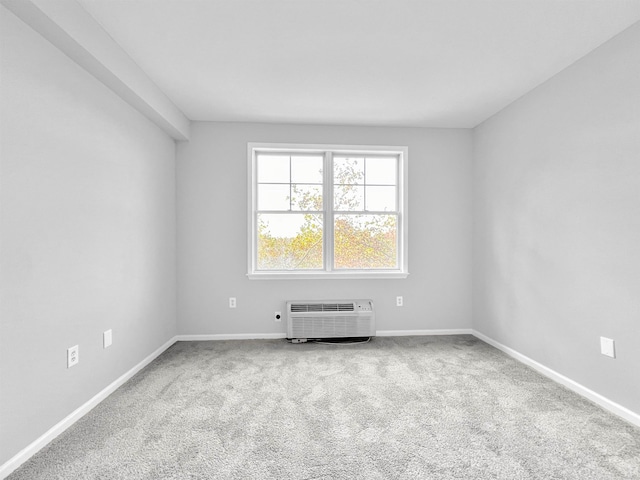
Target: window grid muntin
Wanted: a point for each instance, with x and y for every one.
(364, 156)
(290, 183)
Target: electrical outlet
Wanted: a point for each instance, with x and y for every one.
(399, 301)
(107, 338)
(232, 302)
(278, 316)
(607, 347)
(73, 356)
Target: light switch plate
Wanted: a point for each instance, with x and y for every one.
(607, 347)
(107, 338)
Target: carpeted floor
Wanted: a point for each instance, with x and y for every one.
(395, 408)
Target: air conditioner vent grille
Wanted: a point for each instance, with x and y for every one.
(321, 307)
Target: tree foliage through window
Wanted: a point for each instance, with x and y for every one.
(363, 237)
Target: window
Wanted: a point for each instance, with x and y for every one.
(319, 211)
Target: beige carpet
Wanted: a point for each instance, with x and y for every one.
(395, 408)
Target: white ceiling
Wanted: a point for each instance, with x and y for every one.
(431, 63)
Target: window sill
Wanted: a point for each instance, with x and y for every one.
(326, 275)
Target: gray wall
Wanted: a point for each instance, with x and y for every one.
(87, 232)
(212, 231)
(557, 221)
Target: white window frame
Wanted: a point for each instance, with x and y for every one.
(253, 148)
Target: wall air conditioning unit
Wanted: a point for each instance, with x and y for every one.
(330, 319)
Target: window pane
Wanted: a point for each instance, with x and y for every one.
(273, 197)
(273, 168)
(306, 197)
(381, 170)
(306, 169)
(365, 241)
(348, 198)
(348, 171)
(289, 241)
(381, 199)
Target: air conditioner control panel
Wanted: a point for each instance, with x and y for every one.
(364, 306)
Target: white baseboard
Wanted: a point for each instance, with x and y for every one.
(33, 448)
(604, 402)
(405, 333)
(269, 336)
(230, 336)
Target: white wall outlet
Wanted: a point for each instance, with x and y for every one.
(607, 347)
(107, 338)
(399, 301)
(278, 316)
(73, 356)
(232, 302)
